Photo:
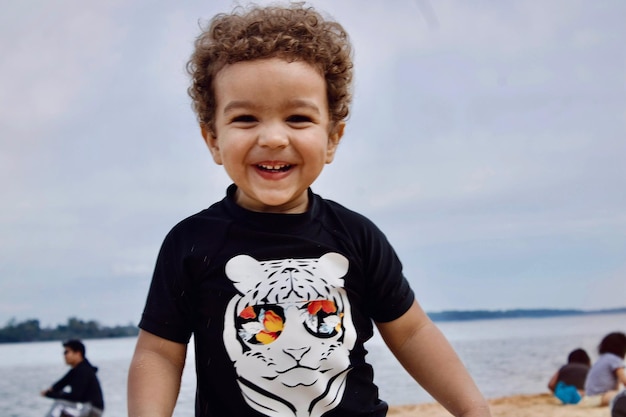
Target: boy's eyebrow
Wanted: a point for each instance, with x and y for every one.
(236, 104)
(245, 104)
(303, 103)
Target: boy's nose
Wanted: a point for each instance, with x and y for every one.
(273, 136)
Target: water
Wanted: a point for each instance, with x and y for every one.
(505, 357)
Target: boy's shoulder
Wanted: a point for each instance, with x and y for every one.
(344, 212)
(212, 218)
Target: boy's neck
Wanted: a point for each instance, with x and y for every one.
(298, 206)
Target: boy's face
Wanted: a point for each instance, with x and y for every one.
(272, 132)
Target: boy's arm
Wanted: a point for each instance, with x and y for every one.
(429, 358)
(154, 376)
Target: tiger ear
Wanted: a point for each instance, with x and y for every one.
(244, 271)
(335, 267)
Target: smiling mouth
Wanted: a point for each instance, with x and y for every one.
(274, 168)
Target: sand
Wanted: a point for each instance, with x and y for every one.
(538, 405)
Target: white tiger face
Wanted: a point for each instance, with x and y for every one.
(290, 333)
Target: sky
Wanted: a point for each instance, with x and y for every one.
(486, 139)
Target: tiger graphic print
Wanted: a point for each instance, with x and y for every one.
(289, 333)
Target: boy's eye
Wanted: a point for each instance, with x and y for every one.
(299, 118)
(244, 118)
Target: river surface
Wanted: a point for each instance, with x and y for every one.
(505, 357)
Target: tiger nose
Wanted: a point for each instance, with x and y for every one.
(297, 353)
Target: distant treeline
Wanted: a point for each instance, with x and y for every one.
(31, 331)
(464, 315)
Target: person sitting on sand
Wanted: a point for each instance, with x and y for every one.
(568, 383)
(607, 374)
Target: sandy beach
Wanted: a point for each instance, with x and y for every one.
(538, 405)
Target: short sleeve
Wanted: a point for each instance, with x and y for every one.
(616, 363)
(390, 294)
(167, 312)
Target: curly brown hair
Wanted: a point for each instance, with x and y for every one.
(293, 33)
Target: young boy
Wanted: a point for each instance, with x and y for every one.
(279, 287)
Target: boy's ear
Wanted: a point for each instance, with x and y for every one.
(333, 141)
(211, 141)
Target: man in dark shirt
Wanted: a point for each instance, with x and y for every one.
(80, 384)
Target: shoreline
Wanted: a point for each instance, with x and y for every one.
(526, 405)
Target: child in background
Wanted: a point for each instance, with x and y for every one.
(607, 373)
(279, 287)
(568, 383)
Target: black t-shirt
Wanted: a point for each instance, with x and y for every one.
(279, 305)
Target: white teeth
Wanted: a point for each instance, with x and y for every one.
(273, 167)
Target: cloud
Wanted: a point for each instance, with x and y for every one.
(485, 139)
(49, 56)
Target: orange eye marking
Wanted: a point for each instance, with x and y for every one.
(326, 306)
(248, 313)
(273, 322)
(266, 337)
